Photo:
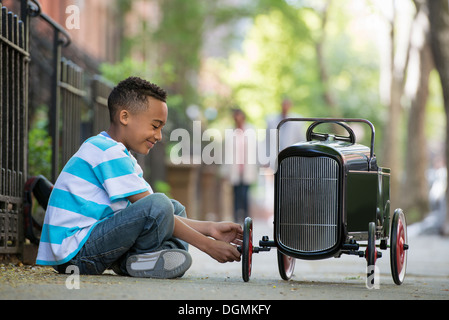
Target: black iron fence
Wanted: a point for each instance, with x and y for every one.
(100, 93)
(66, 114)
(14, 59)
(72, 91)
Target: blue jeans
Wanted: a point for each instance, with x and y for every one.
(143, 227)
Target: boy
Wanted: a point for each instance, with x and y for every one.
(102, 213)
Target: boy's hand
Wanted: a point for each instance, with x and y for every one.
(222, 247)
(227, 232)
(222, 252)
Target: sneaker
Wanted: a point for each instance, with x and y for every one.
(165, 264)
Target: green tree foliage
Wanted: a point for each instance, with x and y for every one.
(322, 54)
(279, 59)
(170, 52)
(39, 141)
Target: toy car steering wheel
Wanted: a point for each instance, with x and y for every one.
(311, 135)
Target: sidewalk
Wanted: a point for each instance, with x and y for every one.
(344, 278)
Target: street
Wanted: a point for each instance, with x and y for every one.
(344, 278)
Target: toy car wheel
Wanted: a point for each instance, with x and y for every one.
(286, 266)
(371, 253)
(247, 249)
(371, 247)
(398, 247)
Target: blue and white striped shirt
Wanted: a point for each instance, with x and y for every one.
(93, 186)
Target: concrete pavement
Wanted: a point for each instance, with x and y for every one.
(344, 278)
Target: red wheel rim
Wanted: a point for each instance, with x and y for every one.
(250, 249)
(367, 254)
(247, 249)
(399, 247)
(400, 251)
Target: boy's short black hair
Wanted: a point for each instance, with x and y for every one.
(132, 94)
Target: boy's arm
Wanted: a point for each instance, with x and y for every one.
(137, 197)
(219, 250)
(224, 231)
(202, 227)
(196, 233)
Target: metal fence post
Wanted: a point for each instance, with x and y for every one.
(54, 105)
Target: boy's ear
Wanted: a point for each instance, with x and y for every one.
(124, 117)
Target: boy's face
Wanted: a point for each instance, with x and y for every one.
(143, 129)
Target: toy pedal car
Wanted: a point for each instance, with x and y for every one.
(330, 194)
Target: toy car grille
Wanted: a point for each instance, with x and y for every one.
(308, 203)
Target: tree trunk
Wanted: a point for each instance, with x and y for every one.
(439, 26)
(322, 68)
(391, 151)
(415, 189)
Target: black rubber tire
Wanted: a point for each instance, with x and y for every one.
(371, 255)
(286, 265)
